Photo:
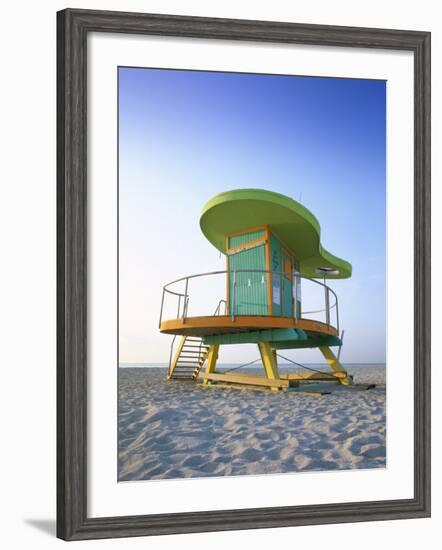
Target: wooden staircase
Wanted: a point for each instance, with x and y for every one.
(188, 359)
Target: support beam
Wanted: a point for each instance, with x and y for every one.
(247, 380)
(303, 376)
(311, 342)
(289, 335)
(269, 362)
(332, 360)
(212, 358)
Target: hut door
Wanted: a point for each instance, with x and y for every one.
(248, 285)
(287, 293)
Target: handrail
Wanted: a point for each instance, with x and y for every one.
(295, 275)
(218, 307)
(171, 353)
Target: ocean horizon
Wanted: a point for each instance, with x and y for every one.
(124, 365)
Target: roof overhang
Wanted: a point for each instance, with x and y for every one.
(240, 209)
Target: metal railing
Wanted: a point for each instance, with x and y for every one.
(218, 307)
(183, 298)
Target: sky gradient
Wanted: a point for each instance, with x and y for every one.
(185, 136)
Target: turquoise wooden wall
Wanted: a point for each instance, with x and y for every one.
(251, 287)
(282, 287)
(277, 283)
(251, 294)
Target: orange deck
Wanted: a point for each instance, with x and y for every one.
(223, 324)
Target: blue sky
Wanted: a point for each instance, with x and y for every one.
(185, 136)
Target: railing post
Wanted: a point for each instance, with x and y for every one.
(295, 305)
(185, 300)
(327, 306)
(281, 297)
(234, 295)
(161, 310)
(337, 313)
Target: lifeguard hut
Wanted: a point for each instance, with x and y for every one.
(273, 250)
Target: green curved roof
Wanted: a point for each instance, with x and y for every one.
(296, 226)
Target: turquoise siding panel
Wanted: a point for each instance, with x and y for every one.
(287, 297)
(275, 265)
(251, 295)
(245, 238)
(251, 288)
(298, 289)
(282, 288)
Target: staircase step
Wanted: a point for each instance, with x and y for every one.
(191, 358)
(185, 370)
(185, 374)
(195, 345)
(191, 346)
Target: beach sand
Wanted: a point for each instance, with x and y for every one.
(180, 429)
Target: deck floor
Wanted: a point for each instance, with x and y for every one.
(224, 324)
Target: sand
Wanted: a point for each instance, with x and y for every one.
(180, 429)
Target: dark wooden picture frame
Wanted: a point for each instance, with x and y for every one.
(73, 27)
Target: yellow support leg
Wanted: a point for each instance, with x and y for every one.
(332, 360)
(212, 358)
(269, 361)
